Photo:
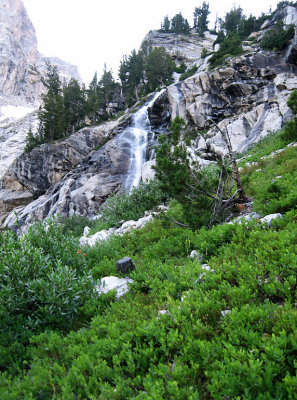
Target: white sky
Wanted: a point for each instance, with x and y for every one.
(88, 33)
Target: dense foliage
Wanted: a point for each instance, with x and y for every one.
(277, 37)
(120, 207)
(197, 189)
(230, 46)
(228, 332)
(144, 71)
(178, 24)
(227, 327)
(200, 18)
(290, 129)
(66, 106)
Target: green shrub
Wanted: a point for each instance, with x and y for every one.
(181, 69)
(290, 129)
(44, 281)
(183, 178)
(126, 206)
(230, 46)
(75, 225)
(195, 351)
(188, 73)
(277, 37)
(228, 333)
(204, 53)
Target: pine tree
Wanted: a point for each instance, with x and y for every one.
(180, 25)
(51, 113)
(74, 106)
(200, 18)
(131, 74)
(106, 90)
(93, 101)
(165, 26)
(158, 68)
(232, 20)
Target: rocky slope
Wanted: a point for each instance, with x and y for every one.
(247, 96)
(185, 49)
(20, 88)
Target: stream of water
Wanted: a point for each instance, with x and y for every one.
(136, 136)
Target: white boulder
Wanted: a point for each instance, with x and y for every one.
(113, 283)
(269, 218)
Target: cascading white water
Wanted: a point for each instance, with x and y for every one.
(136, 136)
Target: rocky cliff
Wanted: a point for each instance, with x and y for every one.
(246, 96)
(18, 51)
(20, 88)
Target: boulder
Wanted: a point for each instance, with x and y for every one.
(125, 227)
(148, 173)
(245, 218)
(269, 218)
(10, 199)
(113, 283)
(196, 256)
(125, 265)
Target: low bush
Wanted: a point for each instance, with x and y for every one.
(44, 280)
(289, 132)
(277, 37)
(233, 334)
(230, 46)
(226, 330)
(188, 73)
(129, 206)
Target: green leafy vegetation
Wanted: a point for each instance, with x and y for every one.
(118, 208)
(144, 71)
(277, 37)
(228, 332)
(178, 24)
(232, 30)
(272, 182)
(228, 324)
(205, 193)
(230, 46)
(200, 18)
(233, 334)
(67, 106)
(188, 73)
(290, 130)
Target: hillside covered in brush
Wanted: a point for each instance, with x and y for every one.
(149, 224)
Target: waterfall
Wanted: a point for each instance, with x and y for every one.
(135, 139)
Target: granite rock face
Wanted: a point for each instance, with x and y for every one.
(46, 165)
(249, 97)
(18, 50)
(71, 176)
(20, 88)
(182, 48)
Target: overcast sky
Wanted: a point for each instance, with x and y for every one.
(88, 33)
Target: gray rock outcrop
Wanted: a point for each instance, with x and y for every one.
(182, 48)
(248, 97)
(18, 49)
(20, 87)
